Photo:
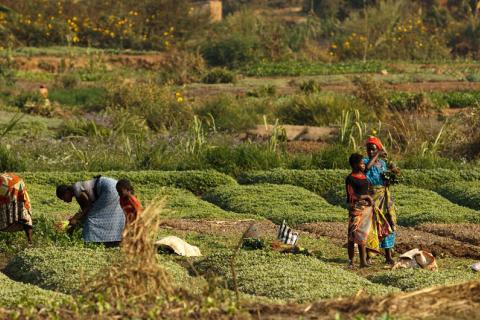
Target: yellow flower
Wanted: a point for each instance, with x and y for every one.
(75, 39)
(334, 46)
(165, 33)
(178, 94)
(112, 34)
(180, 99)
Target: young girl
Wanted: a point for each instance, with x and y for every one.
(130, 205)
(360, 209)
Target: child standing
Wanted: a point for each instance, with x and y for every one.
(360, 209)
(130, 205)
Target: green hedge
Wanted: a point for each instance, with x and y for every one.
(413, 279)
(198, 182)
(284, 276)
(17, 295)
(464, 193)
(64, 269)
(276, 202)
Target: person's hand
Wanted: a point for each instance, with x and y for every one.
(73, 221)
(382, 153)
(369, 200)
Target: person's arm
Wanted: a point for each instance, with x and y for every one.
(85, 206)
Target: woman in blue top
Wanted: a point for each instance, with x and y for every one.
(383, 236)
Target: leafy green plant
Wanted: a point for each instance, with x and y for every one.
(415, 279)
(463, 193)
(277, 276)
(219, 75)
(276, 203)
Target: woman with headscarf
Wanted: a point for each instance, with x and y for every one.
(100, 212)
(383, 233)
(15, 210)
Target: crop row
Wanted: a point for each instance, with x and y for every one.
(196, 181)
(288, 277)
(276, 203)
(67, 269)
(464, 193)
(321, 181)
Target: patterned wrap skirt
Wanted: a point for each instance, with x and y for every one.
(105, 221)
(15, 209)
(385, 219)
(360, 222)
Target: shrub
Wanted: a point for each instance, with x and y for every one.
(90, 98)
(276, 203)
(231, 52)
(161, 107)
(406, 102)
(316, 109)
(219, 75)
(14, 294)
(415, 279)
(287, 277)
(332, 157)
(226, 113)
(181, 67)
(68, 80)
(310, 86)
(236, 160)
(372, 94)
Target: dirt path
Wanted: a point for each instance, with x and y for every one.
(469, 233)
(407, 239)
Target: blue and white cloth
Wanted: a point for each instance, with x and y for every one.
(374, 174)
(105, 221)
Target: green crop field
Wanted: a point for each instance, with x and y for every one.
(208, 199)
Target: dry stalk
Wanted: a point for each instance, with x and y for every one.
(137, 276)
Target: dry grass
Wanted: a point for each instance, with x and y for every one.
(460, 301)
(137, 276)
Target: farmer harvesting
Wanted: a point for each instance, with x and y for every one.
(385, 217)
(15, 207)
(100, 211)
(129, 203)
(360, 209)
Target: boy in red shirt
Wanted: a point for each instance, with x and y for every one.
(130, 205)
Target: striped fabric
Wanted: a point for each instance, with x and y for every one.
(287, 235)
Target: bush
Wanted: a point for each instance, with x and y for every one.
(219, 75)
(236, 160)
(90, 98)
(372, 94)
(316, 109)
(161, 107)
(287, 277)
(181, 67)
(227, 114)
(232, 52)
(276, 203)
(310, 86)
(415, 279)
(68, 80)
(332, 157)
(407, 102)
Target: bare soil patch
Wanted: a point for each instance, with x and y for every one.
(469, 233)
(407, 239)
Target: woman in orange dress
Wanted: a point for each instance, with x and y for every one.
(15, 210)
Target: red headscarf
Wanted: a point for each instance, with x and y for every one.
(375, 141)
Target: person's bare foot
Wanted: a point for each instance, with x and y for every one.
(390, 262)
(350, 266)
(364, 265)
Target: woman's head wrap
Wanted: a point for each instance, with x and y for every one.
(375, 141)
